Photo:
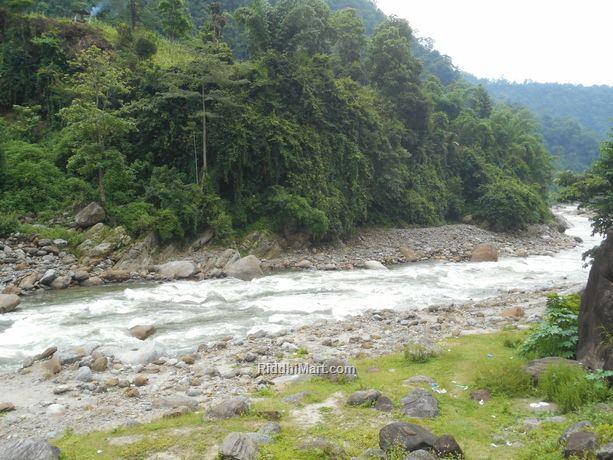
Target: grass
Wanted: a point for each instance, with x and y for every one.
(71, 236)
(476, 427)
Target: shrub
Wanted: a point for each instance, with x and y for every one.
(293, 213)
(559, 333)
(571, 387)
(507, 204)
(506, 378)
(138, 217)
(418, 352)
(145, 48)
(8, 224)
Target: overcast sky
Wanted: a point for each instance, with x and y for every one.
(567, 41)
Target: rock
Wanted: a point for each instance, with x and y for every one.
(132, 393)
(515, 313)
(28, 449)
(6, 407)
(580, 444)
(420, 455)
(372, 454)
(92, 282)
(364, 397)
(238, 446)
(145, 354)
(481, 395)
(178, 269)
(56, 410)
(561, 223)
(116, 276)
(406, 436)
(48, 277)
(338, 370)
(28, 281)
(90, 215)
(329, 449)
(100, 250)
(188, 359)
(246, 269)
(384, 404)
(447, 446)
(61, 282)
(81, 275)
(9, 302)
(296, 398)
(100, 364)
(409, 254)
(271, 428)
(54, 365)
(142, 332)
(419, 380)
(595, 347)
(374, 265)
(536, 367)
(605, 452)
(229, 408)
(575, 428)
(140, 380)
(84, 374)
(304, 264)
(420, 404)
(485, 252)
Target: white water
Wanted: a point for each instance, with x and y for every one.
(187, 313)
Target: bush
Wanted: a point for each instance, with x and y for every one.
(507, 204)
(145, 48)
(8, 224)
(294, 213)
(137, 218)
(418, 352)
(503, 378)
(559, 333)
(571, 387)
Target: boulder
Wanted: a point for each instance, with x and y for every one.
(116, 276)
(514, 313)
(48, 277)
(6, 407)
(228, 408)
(28, 449)
(100, 364)
(53, 365)
(61, 282)
(595, 348)
(92, 282)
(9, 302)
(364, 398)
(447, 446)
(580, 444)
(338, 370)
(574, 428)
(90, 215)
(84, 374)
(405, 436)
(485, 252)
(142, 332)
(238, 446)
(605, 452)
(179, 269)
(420, 403)
(329, 449)
(144, 354)
(421, 455)
(374, 265)
(81, 275)
(28, 281)
(246, 269)
(409, 254)
(536, 367)
(561, 223)
(384, 404)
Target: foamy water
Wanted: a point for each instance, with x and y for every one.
(188, 313)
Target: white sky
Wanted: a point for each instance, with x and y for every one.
(567, 41)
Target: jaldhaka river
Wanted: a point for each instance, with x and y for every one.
(188, 313)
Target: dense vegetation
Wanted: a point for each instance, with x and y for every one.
(574, 118)
(285, 116)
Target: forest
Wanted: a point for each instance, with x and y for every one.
(292, 116)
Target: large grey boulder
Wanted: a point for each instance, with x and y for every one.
(48, 277)
(374, 265)
(364, 398)
(406, 436)
(90, 215)
(144, 354)
(178, 269)
(28, 449)
(246, 269)
(9, 302)
(238, 446)
(485, 252)
(581, 444)
(561, 223)
(228, 408)
(420, 403)
(142, 332)
(595, 348)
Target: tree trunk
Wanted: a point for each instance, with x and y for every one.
(204, 158)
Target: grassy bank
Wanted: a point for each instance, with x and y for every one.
(495, 429)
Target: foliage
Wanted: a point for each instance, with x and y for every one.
(558, 334)
(571, 387)
(503, 378)
(8, 225)
(417, 352)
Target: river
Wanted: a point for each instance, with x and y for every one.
(188, 313)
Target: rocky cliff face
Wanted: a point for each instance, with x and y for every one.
(595, 348)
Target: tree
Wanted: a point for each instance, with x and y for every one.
(349, 42)
(175, 18)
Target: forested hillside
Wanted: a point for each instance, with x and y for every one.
(287, 116)
(575, 118)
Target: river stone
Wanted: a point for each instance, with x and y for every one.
(9, 302)
(485, 252)
(574, 428)
(364, 397)
(92, 282)
(420, 404)
(28, 449)
(536, 367)
(6, 407)
(447, 446)
(142, 332)
(330, 370)
(238, 446)
(421, 455)
(409, 254)
(246, 269)
(178, 269)
(605, 452)
(580, 444)
(84, 374)
(81, 275)
(374, 265)
(561, 223)
(54, 365)
(384, 404)
(146, 353)
(61, 282)
(48, 277)
(28, 281)
(229, 408)
(100, 364)
(90, 215)
(328, 448)
(407, 436)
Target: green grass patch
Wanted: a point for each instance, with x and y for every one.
(73, 237)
